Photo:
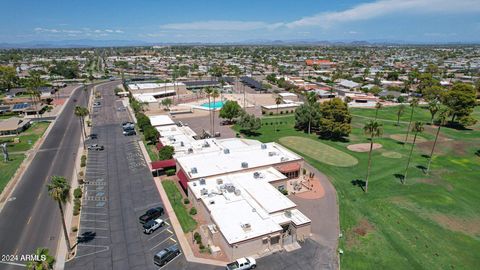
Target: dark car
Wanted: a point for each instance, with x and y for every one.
(129, 132)
(93, 136)
(151, 214)
(166, 255)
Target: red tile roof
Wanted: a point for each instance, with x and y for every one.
(289, 167)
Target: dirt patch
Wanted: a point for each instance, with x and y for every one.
(363, 147)
(458, 224)
(363, 228)
(444, 146)
(401, 138)
(435, 182)
(391, 154)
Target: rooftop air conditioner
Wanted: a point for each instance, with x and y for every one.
(182, 144)
(203, 191)
(264, 146)
(190, 150)
(238, 192)
(271, 154)
(202, 181)
(219, 181)
(194, 170)
(256, 175)
(226, 151)
(244, 164)
(246, 226)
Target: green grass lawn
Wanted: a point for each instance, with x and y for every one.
(27, 138)
(175, 197)
(431, 222)
(8, 169)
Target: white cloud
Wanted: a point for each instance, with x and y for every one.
(221, 25)
(119, 31)
(387, 7)
(46, 30)
(76, 32)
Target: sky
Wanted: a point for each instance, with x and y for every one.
(217, 21)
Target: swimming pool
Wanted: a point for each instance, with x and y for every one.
(213, 105)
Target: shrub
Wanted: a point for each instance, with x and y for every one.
(170, 172)
(186, 201)
(80, 173)
(284, 192)
(76, 212)
(281, 112)
(74, 229)
(271, 113)
(77, 193)
(80, 181)
(263, 112)
(201, 247)
(304, 171)
(83, 161)
(197, 237)
(193, 211)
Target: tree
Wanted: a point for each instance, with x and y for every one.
(442, 120)
(335, 119)
(143, 121)
(230, 110)
(461, 100)
(42, 261)
(8, 77)
(208, 91)
(167, 102)
(59, 190)
(307, 116)
(215, 94)
(81, 112)
(433, 107)
(278, 101)
(400, 111)
(166, 152)
(68, 69)
(372, 129)
(378, 106)
(151, 134)
(417, 128)
(33, 84)
(413, 104)
(249, 123)
(433, 93)
(393, 76)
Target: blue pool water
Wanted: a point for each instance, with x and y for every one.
(213, 105)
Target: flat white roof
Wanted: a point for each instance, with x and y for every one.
(161, 120)
(281, 106)
(222, 162)
(144, 86)
(145, 98)
(251, 207)
(287, 94)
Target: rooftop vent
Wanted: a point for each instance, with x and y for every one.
(238, 192)
(226, 151)
(194, 170)
(256, 175)
(190, 150)
(202, 181)
(229, 187)
(219, 181)
(288, 213)
(246, 226)
(206, 144)
(244, 164)
(284, 159)
(203, 191)
(264, 146)
(182, 144)
(271, 154)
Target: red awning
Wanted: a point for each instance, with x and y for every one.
(290, 167)
(183, 179)
(163, 164)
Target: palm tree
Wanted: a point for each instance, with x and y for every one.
(59, 190)
(378, 106)
(81, 112)
(417, 128)
(413, 104)
(433, 107)
(442, 120)
(278, 101)
(374, 129)
(43, 260)
(215, 94)
(33, 84)
(401, 109)
(208, 92)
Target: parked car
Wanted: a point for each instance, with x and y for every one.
(127, 123)
(151, 214)
(97, 104)
(93, 136)
(153, 225)
(242, 264)
(129, 132)
(95, 147)
(128, 126)
(166, 255)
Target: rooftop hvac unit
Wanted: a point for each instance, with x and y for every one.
(219, 181)
(284, 159)
(256, 175)
(238, 192)
(194, 170)
(230, 187)
(264, 146)
(288, 213)
(206, 144)
(271, 154)
(190, 150)
(202, 181)
(182, 144)
(244, 164)
(246, 226)
(203, 191)
(226, 151)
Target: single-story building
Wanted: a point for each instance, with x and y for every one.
(280, 108)
(13, 126)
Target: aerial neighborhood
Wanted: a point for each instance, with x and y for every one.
(276, 154)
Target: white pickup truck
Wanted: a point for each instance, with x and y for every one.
(242, 264)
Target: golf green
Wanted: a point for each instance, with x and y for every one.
(319, 151)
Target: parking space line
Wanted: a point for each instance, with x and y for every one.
(160, 233)
(98, 214)
(170, 261)
(161, 243)
(93, 228)
(89, 220)
(106, 248)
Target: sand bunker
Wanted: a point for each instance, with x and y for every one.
(363, 147)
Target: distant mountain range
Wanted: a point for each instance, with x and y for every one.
(89, 43)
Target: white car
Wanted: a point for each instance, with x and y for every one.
(152, 225)
(242, 264)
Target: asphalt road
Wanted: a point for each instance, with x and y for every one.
(31, 219)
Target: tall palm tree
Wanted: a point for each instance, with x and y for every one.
(43, 260)
(378, 106)
(59, 190)
(417, 128)
(33, 84)
(433, 107)
(208, 91)
(373, 129)
(81, 112)
(215, 94)
(413, 104)
(401, 109)
(442, 120)
(278, 101)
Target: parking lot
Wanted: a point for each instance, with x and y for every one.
(119, 188)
